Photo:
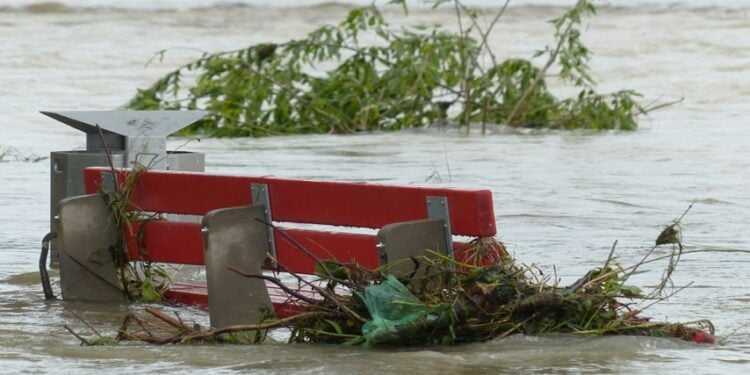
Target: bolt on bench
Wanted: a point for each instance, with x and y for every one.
(235, 232)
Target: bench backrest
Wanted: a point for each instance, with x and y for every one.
(347, 204)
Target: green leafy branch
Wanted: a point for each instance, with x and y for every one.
(332, 82)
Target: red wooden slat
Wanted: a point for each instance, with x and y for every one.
(301, 201)
(343, 247)
(181, 192)
(195, 294)
(178, 242)
(166, 242)
(182, 243)
(373, 206)
(188, 293)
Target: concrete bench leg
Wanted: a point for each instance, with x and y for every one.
(86, 238)
(410, 239)
(234, 238)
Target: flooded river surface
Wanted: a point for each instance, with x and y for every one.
(561, 198)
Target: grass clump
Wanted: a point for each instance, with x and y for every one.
(140, 278)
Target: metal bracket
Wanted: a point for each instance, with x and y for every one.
(437, 208)
(108, 182)
(260, 196)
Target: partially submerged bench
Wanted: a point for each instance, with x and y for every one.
(236, 232)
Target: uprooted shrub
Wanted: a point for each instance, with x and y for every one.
(410, 77)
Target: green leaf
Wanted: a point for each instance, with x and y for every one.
(631, 291)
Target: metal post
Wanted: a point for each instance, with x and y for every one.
(261, 197)
(437, 208)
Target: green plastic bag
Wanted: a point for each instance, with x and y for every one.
(397, 315)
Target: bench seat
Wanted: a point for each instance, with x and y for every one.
(244, 219)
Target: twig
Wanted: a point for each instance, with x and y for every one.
(278, 283)
(609, 258)
(293, 241)
(667, 296)
(635, 266)
(685, 213)
(277, 323)
(123, 331)
(166, 318)
(647, 261)
(87, 324)
(304, 250)
(726, 337)
(468, 77)
(515, 327)
(484, 34)
(142, 325)
(521, 105)
(109, 158)
(324, 293)
(83, 340)
(662, 105)
(237, 328)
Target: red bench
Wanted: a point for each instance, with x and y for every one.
(232, 206)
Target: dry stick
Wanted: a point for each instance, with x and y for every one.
(325, 293)
(109, 157)
(304, 250)
(123, 331)
(467, 69)
(278, 283)
(723, 340)
(484, 34)
(293, 241)
(179, 318)
(83, 340)
(680, 289)
(237, 328)
(87, 324)
(484, 44)
(609, 258)
(322, 248)
(318, 289)
(521, 105)
(685, 213)
(166, 318)
(257, 327)
(648, 109)
(515, 327)
(142, 325)
(637, 265)
(647, 261)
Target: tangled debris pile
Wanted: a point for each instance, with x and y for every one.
(446, 302)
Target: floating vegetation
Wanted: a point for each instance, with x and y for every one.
(10, 153)
(332, 82)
